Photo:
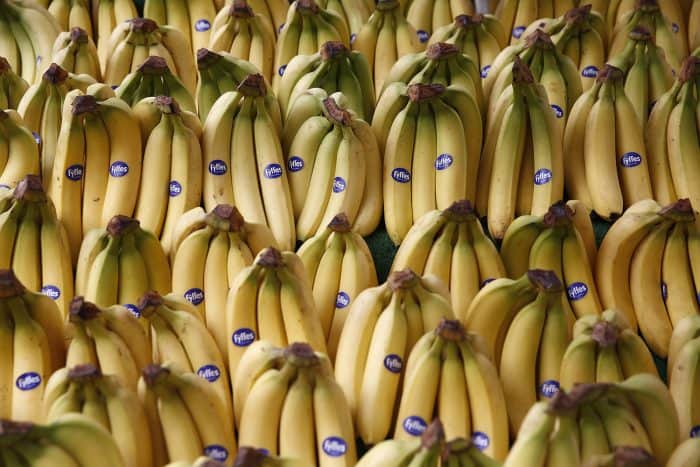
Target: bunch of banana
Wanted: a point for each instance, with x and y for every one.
(550, 67)
(153, 78)
(75, 52)
(440, 63)
(481, 37)
(272, 300)
(106, 401)
(251, 457)
(618, 12)
(329, 163)
(672, 139)
(27, 34)
(306, 29)
(106, 16)
(556, 242)
(19, 151)
(274, 12)
(667, 34)
(521, 171)
(605, 349)
(661, 271)
(606, 165)
(295, 409)
(383, 325)
(181, 338)
(32, 348)
(333, 68)
(41, 109)
(242, 131)
(647, 74)
(246, 35)
(97, 165)
(113, 339)
(694, 26)
(431, 136)
(687, 453)
(428, 16)
(71, 440)
(186, 417)
(339, 266)
(192, 18)
(34, 243)
(12, 86)
(172, 165)
(72, 14)
(624, 456)
(384, 38)
(516, 15)
(425, 451)
(208, 250)
(135, 40)
(120, 263)
(354, 13)
(451, 244)
(450, 376)
(219, 72)
(683, 368)
(319, 122)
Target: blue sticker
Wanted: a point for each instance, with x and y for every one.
(218, 167)
(487, 281)
(353, 36)
(243, 337)
(543, 176)
(118, 169)
(339, 185)
(74, 172)
(577, 291)
(280, 28)
(334, 446)
(414, 425)
(631, 159)
(272, 171)
(39, 58)
(401, 175)
(195, 296)
(664, 291)
(393, 363)
(549, 388)
(28, 381)
(51, 291)
(114, 86)
(558, 111)
(133, 309)
(202, 25)
(443, 161)
(342, 300)
(5, 187)
(216, 452)
(174, 188)
(591, 71)
(281, 69)
(423, 36)
(295, 164)
(675, 28)
(518, 31)
(481, 440)
(695, 432)
(209, 372)
(36, 136)
(485, 71)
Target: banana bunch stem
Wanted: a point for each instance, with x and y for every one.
(153, 78)
(75, 51)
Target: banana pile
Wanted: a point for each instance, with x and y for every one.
(75, 51)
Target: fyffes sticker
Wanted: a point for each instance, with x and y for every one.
(339, 185)
(393, 363)
(74, 172)
(272, 171)
(414, 425)
(401, 175)
(342, 300)
(218, 167)
(423, 36)
(216, 452)
(485, 71)
(51, 291)
(576, 291)
(195, 296)
(558, 111)
(334, 446)
(549, 388)
(281, 69)
(133, 309)
(174, 189)
(543, 176)
(202, 25)
(209, 372)
(443, 161)
(36, 136)
(295, 164)
(118, 169)
(487, 281)
(481, 440)
(695, 432)
(591, 71)
(631, 159)
(243, 337)
(28, 381)
(664, 291)
(518, 31)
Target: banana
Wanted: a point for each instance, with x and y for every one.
(193, 19)
(531, 445)
(12, 86)
(686, 453)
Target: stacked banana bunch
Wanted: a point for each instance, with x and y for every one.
(383, 325)
(333, 165)
(208, 251)
(61, 442)
(450, 376)
(76, 52)
(522, 169)
(242, 131)
(648, 269)
(31, 347)
(12, 86)
(556, 242)
(104, 400)
(516, 15)
(427, 16)
(306, 415)
(604, 349)
(35, 245)
(186, 419)
(339, 266)
(593, 420)
(683, 368)
(193, 19)
(151, 79)
(72, 14)
(246, 34)
(271, 300)
(452, 246)
(120, 263)
(430, 449)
